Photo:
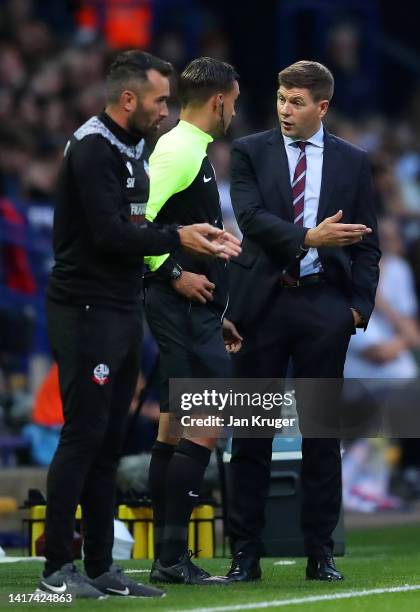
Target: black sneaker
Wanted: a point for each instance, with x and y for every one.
(115, 582)
(68, 580)
(184, 572)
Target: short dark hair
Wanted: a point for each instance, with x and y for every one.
(132, 65)
(204, 77)
(309, 75)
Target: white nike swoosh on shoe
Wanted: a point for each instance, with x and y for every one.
(206, 180)
(192, 494)
(126, 591)
(55, 589)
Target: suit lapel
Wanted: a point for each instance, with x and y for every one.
(280, 169)
(330, 170)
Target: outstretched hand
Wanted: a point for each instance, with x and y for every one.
(209, 240)
(332, 233)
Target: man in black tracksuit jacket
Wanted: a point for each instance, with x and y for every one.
(94, 316)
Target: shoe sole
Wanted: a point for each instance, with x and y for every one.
(233, 580)
(42, 592)
(167, 580)
(137, 596)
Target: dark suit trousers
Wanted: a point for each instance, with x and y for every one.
(311, 326)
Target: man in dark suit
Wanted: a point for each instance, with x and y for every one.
(306, 278)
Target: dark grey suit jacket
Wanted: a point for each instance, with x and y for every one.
(262, 201)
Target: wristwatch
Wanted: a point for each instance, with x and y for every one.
(176, 272)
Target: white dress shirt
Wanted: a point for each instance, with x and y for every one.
(314, 150)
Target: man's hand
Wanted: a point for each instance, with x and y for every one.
(194, 287)
(357, 317)
(208, 240)
(331, 233)
(233, 341)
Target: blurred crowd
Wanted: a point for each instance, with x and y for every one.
(52, 80)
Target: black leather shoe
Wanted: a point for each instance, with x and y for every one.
(322, 569)
(244, 569)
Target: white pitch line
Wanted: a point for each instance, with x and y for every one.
(285, 562)
(133, 571)
(258, 605)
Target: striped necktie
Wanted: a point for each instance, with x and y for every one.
(298, 185)
(298, 194)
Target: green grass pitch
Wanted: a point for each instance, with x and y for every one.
(376, 559)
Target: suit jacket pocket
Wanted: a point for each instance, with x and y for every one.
(245, 259)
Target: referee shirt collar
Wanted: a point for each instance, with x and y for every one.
(194, 130)
(317, 139)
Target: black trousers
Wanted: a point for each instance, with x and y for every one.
(311, 326)
(98, 356)
(189, 336)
